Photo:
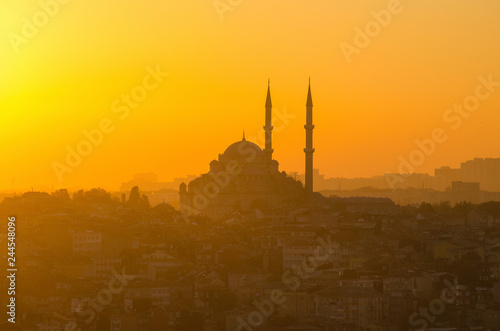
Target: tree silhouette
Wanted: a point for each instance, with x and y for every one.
(444, 207)
(135, 198)
(491, 208)
(426, 208)
(61, 195)
(144, 202)
(95, 195)
(463, 207)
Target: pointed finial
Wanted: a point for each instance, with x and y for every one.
(269, 104)
(243, 136)
(309, 97)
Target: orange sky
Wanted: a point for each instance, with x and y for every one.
(65, 77)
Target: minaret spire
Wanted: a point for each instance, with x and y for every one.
(268, 128)
(309, 150)
(309, 98)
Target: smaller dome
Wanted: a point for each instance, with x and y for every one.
(182, 187)
(214, 165)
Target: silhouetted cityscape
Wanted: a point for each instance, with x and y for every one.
(249, 247)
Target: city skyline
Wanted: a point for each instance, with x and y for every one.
(233, 165)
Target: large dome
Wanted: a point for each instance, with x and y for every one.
(242, 148)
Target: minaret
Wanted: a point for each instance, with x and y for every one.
(268, 128)
(309, 150)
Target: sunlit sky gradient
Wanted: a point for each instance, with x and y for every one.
(366, 113)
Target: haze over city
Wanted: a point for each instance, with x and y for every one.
(237, 165)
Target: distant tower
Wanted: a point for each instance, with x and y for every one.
(309, 150)
(268, 128)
